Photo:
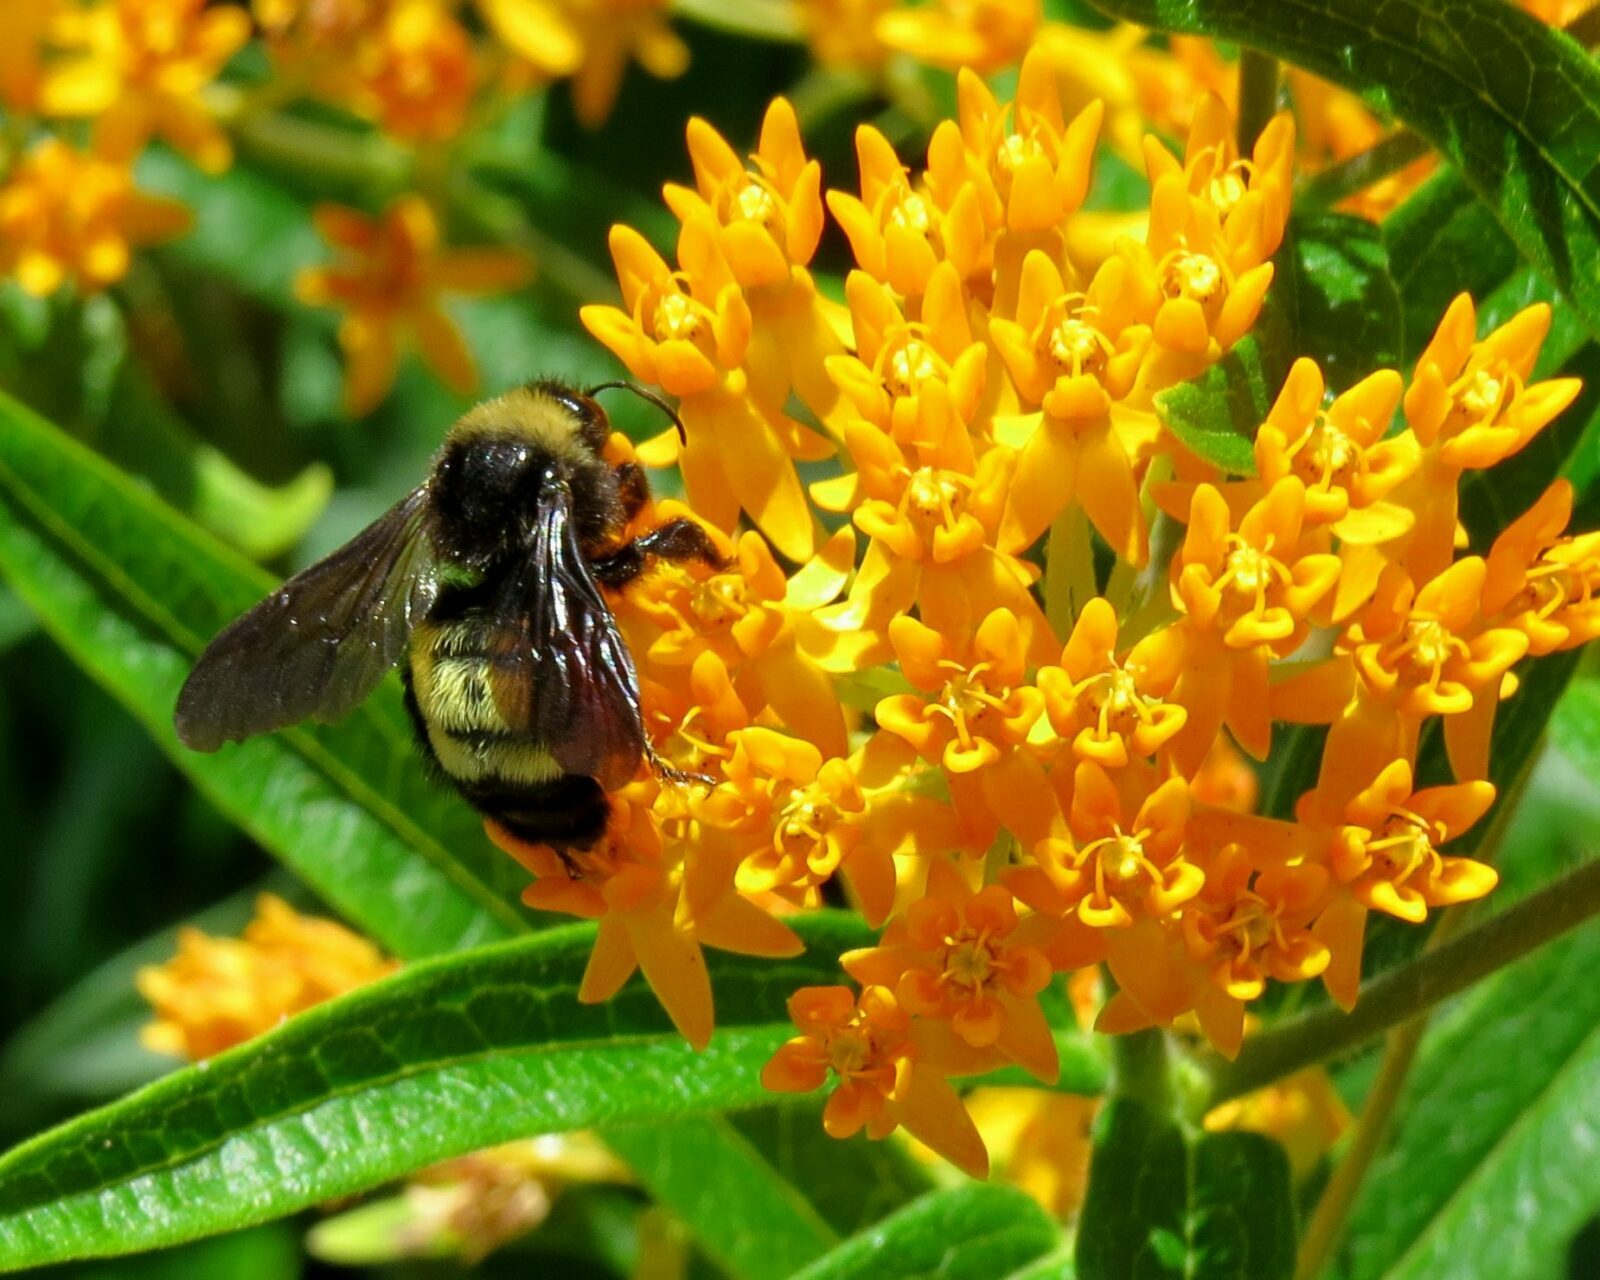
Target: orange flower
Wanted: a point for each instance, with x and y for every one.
(933, 533)
(415, 73)
(919, 382)
(388, 281)
(654, 914)
(795, 818)
(984, 35)
(1543, 584)
(139, 68)
(1246, 598)
(896, 231)
(759, 623)
(869, 1045)
(1100, 706)
(1077, 355)
(219, 992)
(843, 33)
(1410, 655)
(70, 217)
(1386, 855)
(1027, 165)
(766, 221)
(1114, 870)
(1248, 925)
(690, 332)
(967, 959)
(1470, 407)
(23, 32)
(591, 41)
(976, 725)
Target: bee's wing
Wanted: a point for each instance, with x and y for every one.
(322, 641)
(584, 694)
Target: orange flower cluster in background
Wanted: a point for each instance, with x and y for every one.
(1018, 778)
(219, 992)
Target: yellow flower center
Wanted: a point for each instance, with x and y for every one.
(1250, 926)
(851, 1051)
(970, 960)
(1248, 577)
(1326, 457)
(720, 601)
(676, 317)
(1424, 648)
(969, 704)
(1484, 394)
(911, 211)
(1120, 863)
(907, 361)
(1113, 700)
(755, 203)
(1191, 275)
(1068, 338)
(934, 499)
(1016, 149)
(1404, 848)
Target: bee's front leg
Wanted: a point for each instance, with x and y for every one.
(679, 539)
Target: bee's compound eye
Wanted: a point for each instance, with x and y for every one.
(593, 425)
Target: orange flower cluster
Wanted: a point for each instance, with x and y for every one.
(216, 993)
(901, 724)
(415, 68)
(137, 69)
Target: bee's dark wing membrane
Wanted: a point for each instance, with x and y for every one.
(319, 644)
(585, 692)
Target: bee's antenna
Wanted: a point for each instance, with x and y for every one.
(644, 393)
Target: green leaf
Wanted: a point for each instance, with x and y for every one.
(1161, 1205)
(1491, 1169)
(261, 1253)
(977, 1231)
(1347, 308)
(445, 1057)
(1514, 105)
(767, 1190)
(132, 591)
(1443, 241)
(741, 1210)
(852, 1183)
(1216, 414)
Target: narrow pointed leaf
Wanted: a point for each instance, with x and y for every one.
(133, 591)
(447, 1056)
(1520, 1055)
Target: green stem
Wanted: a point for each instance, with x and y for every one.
(756, 19)
(367, 162)
(1258, 96)
(1402, 993)
(1333, 1208)
(1362, 170)
(1141, 1070)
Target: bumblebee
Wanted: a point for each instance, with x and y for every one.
(486, 582)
